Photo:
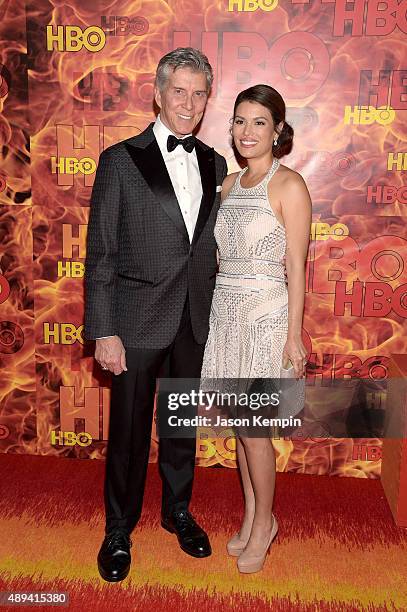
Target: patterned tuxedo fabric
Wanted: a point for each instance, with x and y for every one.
(146, 283)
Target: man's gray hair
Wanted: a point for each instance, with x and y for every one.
(183, 57)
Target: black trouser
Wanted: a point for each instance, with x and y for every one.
(131, 412)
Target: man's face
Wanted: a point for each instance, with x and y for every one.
(182, 101)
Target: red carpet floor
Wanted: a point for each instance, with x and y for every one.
(337, 549)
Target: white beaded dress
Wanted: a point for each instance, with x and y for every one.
(249, 314)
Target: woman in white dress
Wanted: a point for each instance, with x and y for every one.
(257, 308)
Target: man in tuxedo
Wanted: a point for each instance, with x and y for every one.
(150, 274)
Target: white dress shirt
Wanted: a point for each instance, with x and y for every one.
(185, 178)
(184, 174)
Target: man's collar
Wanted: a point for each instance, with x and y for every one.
(161, 132)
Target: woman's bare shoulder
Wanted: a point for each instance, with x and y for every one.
(289, 175)
(291, 182)
(229, 180)
(292, 190)
(228, 183)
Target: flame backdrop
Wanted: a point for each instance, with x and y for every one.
(77, 76)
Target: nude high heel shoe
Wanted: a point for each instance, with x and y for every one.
(236, 546)
(249, 564)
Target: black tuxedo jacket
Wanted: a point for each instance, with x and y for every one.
(139, 262)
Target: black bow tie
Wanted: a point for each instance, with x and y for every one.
(188, 143)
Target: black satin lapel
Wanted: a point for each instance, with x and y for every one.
(206, 162)
(150, 163)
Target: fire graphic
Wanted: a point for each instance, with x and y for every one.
(17, 386)
(90, 84)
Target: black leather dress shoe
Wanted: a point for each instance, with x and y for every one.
(114, 557)
(191, 537)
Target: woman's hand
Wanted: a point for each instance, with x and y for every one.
(294, 351)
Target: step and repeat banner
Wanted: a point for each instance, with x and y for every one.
(77, 76)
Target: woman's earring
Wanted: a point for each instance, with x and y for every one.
(275, 141)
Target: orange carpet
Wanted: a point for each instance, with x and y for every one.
(337, 549)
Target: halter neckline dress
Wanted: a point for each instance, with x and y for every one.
(249, 315)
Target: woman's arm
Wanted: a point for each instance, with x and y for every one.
(296, 212)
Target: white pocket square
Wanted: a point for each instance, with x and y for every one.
(218, 188)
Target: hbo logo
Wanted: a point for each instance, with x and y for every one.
(73, 38)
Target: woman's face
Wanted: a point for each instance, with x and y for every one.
(253, 130)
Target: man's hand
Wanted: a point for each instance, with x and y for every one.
(111, 354)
